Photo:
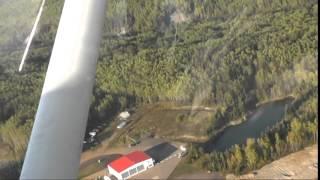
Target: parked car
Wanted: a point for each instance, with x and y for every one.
(121, 125)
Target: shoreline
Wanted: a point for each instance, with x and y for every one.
(204, 139)
(244, 119)
(274, 100)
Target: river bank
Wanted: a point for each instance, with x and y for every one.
(249, 113)
(292, 97)
(256, 121)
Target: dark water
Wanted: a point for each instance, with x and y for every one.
(264, 117)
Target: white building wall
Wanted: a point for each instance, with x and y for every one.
(149, 163)
(146, 164)
(114, 172)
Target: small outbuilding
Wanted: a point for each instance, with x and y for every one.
(130, 165)
(124, 115)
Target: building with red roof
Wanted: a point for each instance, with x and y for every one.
(129, 165)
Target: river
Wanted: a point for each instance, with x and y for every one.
(265, 116)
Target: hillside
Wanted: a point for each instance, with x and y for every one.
(229, 55)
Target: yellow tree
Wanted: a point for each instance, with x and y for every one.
(251, 153)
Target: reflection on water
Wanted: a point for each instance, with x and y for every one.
(264, 117)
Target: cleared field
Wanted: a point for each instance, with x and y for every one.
(4, 151)
(185, 169)
(174, 123)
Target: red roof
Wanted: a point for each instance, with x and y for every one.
(128, 160)
(121, 164)
(138, 156)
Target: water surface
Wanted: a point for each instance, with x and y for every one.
(264, 117)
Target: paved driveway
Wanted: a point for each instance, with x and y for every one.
(161, 151)
(161, 170)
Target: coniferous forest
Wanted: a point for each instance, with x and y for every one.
(229, 54)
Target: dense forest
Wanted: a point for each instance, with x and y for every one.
(229, 54)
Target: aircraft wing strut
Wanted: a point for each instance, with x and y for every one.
(56, 140)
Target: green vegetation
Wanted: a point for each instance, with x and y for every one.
(184, 168)
(92, 168)
(167, 123)
(298, 130)
(20, 92)
(228, 54)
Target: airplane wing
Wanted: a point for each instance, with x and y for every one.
(56, 140)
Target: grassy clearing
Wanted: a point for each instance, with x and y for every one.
(186, 168)
(92, 166)
(171, 122)
(90, 169)
(5, 152)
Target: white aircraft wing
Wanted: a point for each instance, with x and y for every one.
(56, 140)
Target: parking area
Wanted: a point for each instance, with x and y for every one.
(161, 151)
(162, 169)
